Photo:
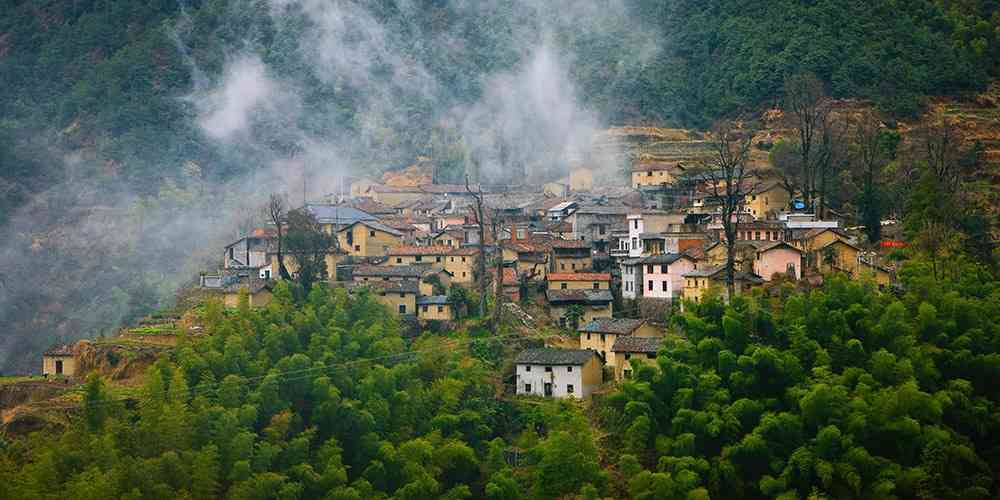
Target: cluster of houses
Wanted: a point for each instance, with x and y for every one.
(605, 261)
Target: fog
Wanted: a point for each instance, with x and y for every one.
(94, 252)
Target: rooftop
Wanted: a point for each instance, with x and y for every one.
(338, 214)
(405, 286)
(586, 296)
(579, 277)
(668, 258)
(637, 344)
(59, 350)
(391, 271)
(609, 325)
(432, 300)
(552, 356)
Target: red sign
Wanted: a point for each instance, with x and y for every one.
(893, 244)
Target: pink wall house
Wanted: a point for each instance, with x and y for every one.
(777, 257)
(662, 275)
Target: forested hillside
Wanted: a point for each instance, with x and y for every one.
(134, 135)
(841, 393)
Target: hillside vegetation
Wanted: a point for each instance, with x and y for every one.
(841, 393)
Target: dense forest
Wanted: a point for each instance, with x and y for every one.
(843, 392)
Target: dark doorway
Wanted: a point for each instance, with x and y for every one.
(59, 368)
(548, 390)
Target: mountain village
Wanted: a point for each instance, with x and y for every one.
(604, 264)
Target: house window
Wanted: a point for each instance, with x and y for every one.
(664, 283)
(562, 286)
(527, 368)
(649, 268)
(440, 309)
(463, 274)
(756, 235)
(401, 295)
(399, 260)
(423, 308)
(402, 309)
(527, 388)
(573, 265)
(635, 224)
(451, 259)
(371, 233)
(603, 336)
(628, 355)
(449, 242)
(663, 269)
(418, 258)
(650, 285)
(231, 255)
(588, 336)
(569, 369)
(437, 259)
(548, 369)
(597, 286)
(463, 260)
(627, 373)
(601, 229)
(357, 248)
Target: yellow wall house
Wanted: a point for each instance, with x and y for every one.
(459, 262)
(449, 238)
(698, 282)
(600, 335)
(836, 256)
(594, 303)
(557, 373)
(630, 351)
(579, 281)
(767, 200)
(58, 360)
(434, 307)
(258, 292)
(399, 296)
(531, 258)
(369, 239)
(655, 173)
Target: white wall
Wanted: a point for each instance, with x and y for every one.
(559, 377)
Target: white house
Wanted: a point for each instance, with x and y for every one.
(631, 278)
(558, 373)
(663, 275)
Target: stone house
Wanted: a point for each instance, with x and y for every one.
(369, 238)
(767, 200)
(595, 304)
(399, 296)
(579, 281)
(434, 307)
(632, 350)
(599, 335)
(249, 251)
(557, 373)
(459, 262)
(58, 360)
(655, 173)
(570, 256)
(421, 275)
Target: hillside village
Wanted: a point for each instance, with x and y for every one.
(604, 264)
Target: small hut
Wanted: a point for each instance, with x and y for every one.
(58, 360)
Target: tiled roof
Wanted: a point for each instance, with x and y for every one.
(668, 258)
(615, 326)
(378, 226)
(648, 166)
(570, 244)
(391, 271)
(338, 214)
(59, 350)
(432, 300)
(415, 250)
(253, 285)
(553, 356)
(587, 296)
(579, 276)
(632, 343)
(404, 286)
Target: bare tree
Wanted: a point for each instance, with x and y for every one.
(480, 213)
(871, 157)
(942, 147)
(496, 227)
(810, 108)
(729, 181)
(275, 211)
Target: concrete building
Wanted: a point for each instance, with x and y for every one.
(579, 281)
(434, 307)
(557, 373)
(778, 257)
(663, 275)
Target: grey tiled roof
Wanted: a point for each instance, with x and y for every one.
(616, 326)
(668, 258)
(405, 286)
(431, 300)
(59, 350)
(338, 214)
(632, 343)
(553, 356)
(587, 296)
(391, 271)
